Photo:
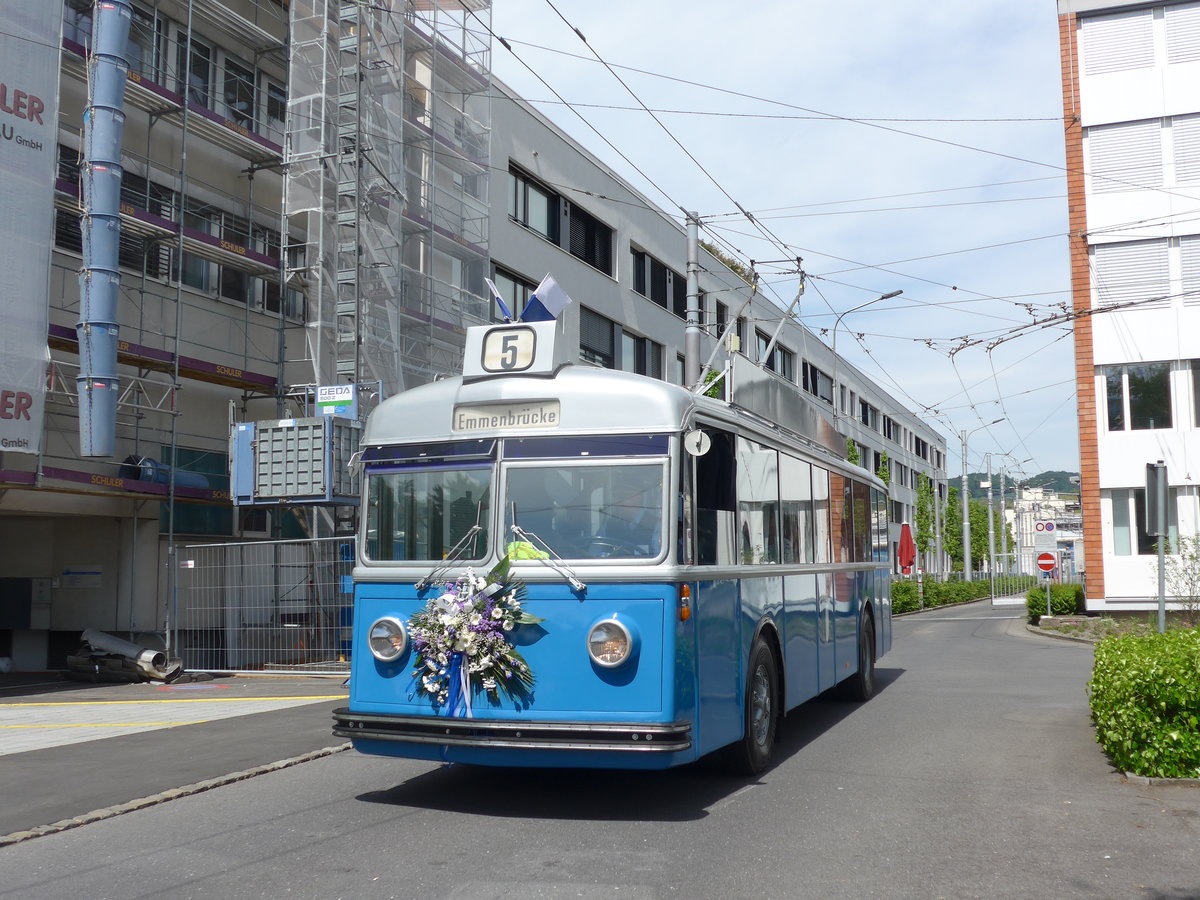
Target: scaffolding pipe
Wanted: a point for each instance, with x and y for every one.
(100, 224)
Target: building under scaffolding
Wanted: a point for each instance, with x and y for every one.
(311, 193)
(303, 202)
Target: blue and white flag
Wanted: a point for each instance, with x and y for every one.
(546, 303)
(499, 300)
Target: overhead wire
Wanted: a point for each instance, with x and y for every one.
(871, 123)
(766, 232)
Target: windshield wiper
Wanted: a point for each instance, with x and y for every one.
(554, 561)
(453, 556)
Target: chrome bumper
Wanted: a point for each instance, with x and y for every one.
(496, 733)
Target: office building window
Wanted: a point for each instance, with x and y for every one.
(239, 94)
(817, 382)
(514, 290)
(1129, 537)
(532, 205)
(199, 72)
(1132, 271)
(655, 280)
(590, 240)
(1196, 393)
(575, 230)
(868, 415)
(1139, 397)
(597, 338)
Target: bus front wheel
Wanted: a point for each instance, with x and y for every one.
(750, 755)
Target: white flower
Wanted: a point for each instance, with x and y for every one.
(507, 624)
(465, 644)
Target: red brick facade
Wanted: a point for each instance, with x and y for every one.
(1081, 291)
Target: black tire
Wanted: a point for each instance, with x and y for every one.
(860, 686)
(752, 753)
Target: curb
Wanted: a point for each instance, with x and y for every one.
(1145, 781)
(97, 815)
(1058, 636)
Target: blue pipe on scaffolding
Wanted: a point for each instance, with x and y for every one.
(100, 224)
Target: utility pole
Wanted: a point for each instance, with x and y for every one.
(691, 334)
(991, 532)
(966, 500)
(1003, 529)
(966, 513)
(937, 526)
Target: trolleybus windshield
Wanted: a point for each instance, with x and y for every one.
(422, 511)
(585, 511)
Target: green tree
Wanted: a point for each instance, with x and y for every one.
(852, 456)
(952, 529)
(952, 533)
(1182, 575)
(885, 470)
(923, 534)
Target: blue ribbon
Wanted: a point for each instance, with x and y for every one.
(458, 701)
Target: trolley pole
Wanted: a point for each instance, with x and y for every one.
(691, 334)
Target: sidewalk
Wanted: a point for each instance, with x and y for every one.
(70, 748)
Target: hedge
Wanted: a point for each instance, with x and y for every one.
(904, 596)
(1065, 600)
(938, 593)
(1145, 700)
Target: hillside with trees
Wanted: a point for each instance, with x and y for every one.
(1052, 480)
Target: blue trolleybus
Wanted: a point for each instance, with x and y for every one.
(560, 565)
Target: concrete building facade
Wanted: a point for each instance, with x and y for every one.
(1132, 116)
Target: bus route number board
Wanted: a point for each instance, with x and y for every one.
(509, 349)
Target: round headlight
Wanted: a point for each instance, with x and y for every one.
(609, 643)
(387, 639)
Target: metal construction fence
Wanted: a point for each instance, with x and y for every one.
(265, 606)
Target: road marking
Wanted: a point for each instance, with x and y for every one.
(108, 724)
(183, 700)
(966, 618)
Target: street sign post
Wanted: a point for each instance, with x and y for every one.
(1156, 525)
(1044, 536)
(1046, 562)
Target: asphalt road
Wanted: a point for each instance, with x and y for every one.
(973, 773)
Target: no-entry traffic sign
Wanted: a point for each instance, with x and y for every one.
(1047, 561)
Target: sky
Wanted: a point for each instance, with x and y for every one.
(892, 145)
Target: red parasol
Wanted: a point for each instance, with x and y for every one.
(906, 555)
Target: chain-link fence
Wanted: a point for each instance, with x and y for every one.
(268, 606)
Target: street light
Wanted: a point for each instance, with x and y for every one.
(966, 493)
(837, 392)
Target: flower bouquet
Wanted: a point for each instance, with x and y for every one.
(461, 645)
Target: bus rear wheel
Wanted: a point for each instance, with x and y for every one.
(860, 686)
(752, 753)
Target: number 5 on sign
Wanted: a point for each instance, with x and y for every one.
(509, 349)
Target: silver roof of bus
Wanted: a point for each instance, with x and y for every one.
(590, 401)
(596, 401)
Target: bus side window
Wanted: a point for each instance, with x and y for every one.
(715, 506)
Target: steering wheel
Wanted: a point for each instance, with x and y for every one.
(607, 547)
